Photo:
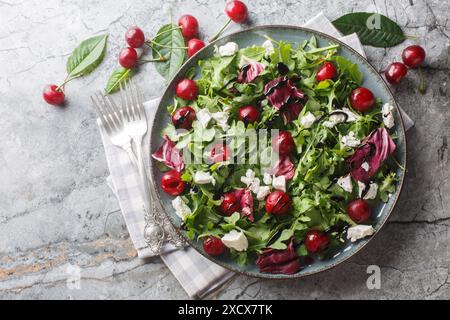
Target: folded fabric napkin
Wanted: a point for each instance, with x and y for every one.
(196, 274)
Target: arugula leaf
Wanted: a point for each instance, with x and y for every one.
(285, 235)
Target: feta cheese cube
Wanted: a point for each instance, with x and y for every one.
(345, 183)
(388, 117)
(201, 177)
(361, 188)
(359, 232)
(267, 179)
(228, 49)
(181, 208)
(279, 183)
(307, 120)
(204, 116)
(221, 119)
(250, 173)
(350, 140)
(372, 192)
(365, 166)
(263, 192)
(235, 240)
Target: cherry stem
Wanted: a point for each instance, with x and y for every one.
(217, 35)
(161, 59)
(67, 80)
(166, 31)
(153, 42)
(422, 87)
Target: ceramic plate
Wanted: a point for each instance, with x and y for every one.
(372, 80)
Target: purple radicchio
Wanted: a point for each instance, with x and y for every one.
(283, 167)
(250, 71)
(283, 95)
(374, 150)
(279, 261)
(247, 205)
(169, 155)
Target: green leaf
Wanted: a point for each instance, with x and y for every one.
(373, 29)
(117, 77)
(171, 39)
(233, 218)
(87, 56)
(349, 69)
(286, 234)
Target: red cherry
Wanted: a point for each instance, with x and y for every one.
(52, 95)
(219, 153)
(395, 72)
(183, 118)
(284, 143)
(362, 99)
(236, 10)
(135, 37)
(327, 71)
(194, 45)
(413, 56)
(128, 58)
(189, 26)
(187, 89)
(316, 241)
(278, 203)
(359, 210)
(230, 204)
(171, 183)
(248, 114)
(213, 246)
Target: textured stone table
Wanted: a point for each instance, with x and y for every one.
(56, 210)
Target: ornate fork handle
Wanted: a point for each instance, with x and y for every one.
(157, 226)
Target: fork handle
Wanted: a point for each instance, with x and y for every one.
(144, 176)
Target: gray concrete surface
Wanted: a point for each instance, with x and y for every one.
(55, 207)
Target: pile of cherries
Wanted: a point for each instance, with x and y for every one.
(413, 56)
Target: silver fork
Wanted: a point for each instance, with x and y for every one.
(158, 228)
(112, 121)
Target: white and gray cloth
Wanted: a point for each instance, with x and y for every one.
(196, 274)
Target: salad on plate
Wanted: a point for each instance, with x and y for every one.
(275, 155)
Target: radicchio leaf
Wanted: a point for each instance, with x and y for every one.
(250, 71)
(283, 167)
(375, 149)
(279, 261)
(169, 155)
(291, 111)
(247, 205)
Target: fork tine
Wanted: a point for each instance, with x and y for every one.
(109, 112)
(100, 115)
(124, 102)
(113, 106)
(138, 100)
(129, 97)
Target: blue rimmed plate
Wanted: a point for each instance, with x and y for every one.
(372, 80)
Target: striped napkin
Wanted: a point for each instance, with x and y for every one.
(197, 275)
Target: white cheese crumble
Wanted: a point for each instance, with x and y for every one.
(359, 232)
(361, 188)
(263, 192)
(204, 117)
(268, 45)
(251, 181)
(202, 177)
(372, 192)
(267, 179)
(279, 183)
(228, 49)
(221, 119)
(345, 183)
(336, 118)
(350, 140)
(235, 240)
(307, 120)
(388, 117)
(365, 166)
(181, 208)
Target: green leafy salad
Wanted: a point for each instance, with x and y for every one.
(276, 155)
